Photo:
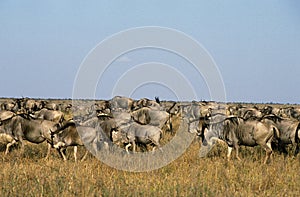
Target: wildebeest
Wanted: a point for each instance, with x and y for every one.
(106, 125)
(7, 139)
(119, 103)
(200, 126)
(51, 115)
(248, 112)
(145, 102)
(269, 110)
(152, 117)
(133, 133)
(4, 115)
(31, 105)
(50, 105)
(289, 131)
(121, 117)
(252, 113)
(68, 135)
(237, 131)
(191, 111)
(9, 105)
(16, 129)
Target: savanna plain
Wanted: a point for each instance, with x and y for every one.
(29, 174)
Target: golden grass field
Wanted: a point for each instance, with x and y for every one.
(29, 174)
(189, 175)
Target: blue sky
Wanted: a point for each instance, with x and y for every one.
(255, 44)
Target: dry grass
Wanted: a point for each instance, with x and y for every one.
(189, 175)
(31, 175)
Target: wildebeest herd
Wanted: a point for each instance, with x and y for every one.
(138, 125)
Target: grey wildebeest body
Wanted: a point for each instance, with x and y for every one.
(68, 135)
(107, 125)
(51, 106)
(9, 105)
(191, 111)
(31, 105)
(144, 102)
(119, 103)
(289, 131)
(133, 133)
(236, 131)
(152, 117)
(200, 126)
(51, 115)
(4, 115)
(121, 117)
(34, 131)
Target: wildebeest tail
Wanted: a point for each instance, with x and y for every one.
(297, 135)
(276, 133)
(170, 123)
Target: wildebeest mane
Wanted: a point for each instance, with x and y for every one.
(62, 127)
(273, 117)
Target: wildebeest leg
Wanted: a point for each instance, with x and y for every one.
(156, 145)
(229, 152)
(297, 150)
(75, 153)
(62, 152)
(237, 152)
(268, 150)
(169, 125)
(48, 150)
(84, 156)
(297, 141)
(133, 146)
(126, 147)
(9, 145)
(22, 146)
(283, 149)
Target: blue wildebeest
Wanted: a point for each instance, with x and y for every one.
(16, 129)
(71, 135)
(237, 131)
(119, 103)
(144, 102)
(51, 115)
(289, 131)
(105, 124)
(148, 116)
(133, 133)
